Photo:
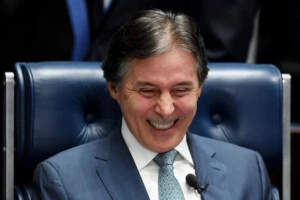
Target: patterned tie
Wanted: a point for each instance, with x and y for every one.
(168, 186)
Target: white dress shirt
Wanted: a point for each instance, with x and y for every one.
(143, 158)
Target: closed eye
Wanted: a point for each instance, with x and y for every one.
(181, 91)
(148, 92)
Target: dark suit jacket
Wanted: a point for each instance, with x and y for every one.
(226, 26)
(104, 169)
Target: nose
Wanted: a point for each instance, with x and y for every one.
(165, 105)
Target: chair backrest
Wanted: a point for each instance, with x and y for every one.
(59, 105)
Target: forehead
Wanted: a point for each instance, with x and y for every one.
(171, 63)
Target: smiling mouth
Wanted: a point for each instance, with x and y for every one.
(161, 127)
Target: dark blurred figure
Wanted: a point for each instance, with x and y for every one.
(33, 30)
(226, 25)
(105, 23)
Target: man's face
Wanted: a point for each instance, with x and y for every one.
(158, 98)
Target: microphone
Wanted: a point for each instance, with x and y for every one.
(192, 181)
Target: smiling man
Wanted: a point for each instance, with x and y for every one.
(158, 98)
(155, 68)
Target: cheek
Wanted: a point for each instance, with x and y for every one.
(188, 105)
(135, 106)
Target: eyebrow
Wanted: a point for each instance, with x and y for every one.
(183, 83)
(141, 83)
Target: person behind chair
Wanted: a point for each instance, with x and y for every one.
(155, 69)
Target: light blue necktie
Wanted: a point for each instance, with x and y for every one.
(168, 186)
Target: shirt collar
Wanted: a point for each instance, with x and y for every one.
(143, 156)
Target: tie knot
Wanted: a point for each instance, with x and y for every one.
(166, 158)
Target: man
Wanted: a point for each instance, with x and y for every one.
(155, 69)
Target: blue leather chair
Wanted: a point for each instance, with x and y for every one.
(53, 106)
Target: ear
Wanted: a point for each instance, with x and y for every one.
(113, 90)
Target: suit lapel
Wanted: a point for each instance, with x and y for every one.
(208, 168)
(120, 176)
(118, 171)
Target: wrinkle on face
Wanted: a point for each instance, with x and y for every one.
(158, 98)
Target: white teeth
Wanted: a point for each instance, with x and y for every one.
(161, 126)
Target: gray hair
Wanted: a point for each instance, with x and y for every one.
(149, 33)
